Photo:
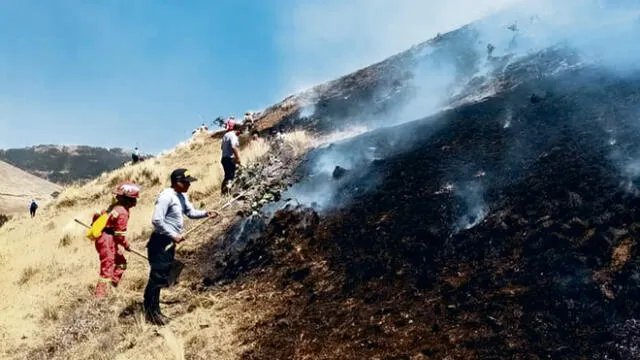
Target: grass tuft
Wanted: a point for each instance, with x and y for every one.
(66, 203)
(27, 274)
(50, 313)
(66, 240)
(118, 177)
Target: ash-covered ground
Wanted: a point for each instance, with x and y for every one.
(502, 227)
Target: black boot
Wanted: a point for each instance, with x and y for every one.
(152, 305)
(156, 318)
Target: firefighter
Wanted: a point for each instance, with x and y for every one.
(112, 261)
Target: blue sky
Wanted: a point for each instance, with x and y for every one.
(140, 72)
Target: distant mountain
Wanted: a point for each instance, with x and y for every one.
(65, 164)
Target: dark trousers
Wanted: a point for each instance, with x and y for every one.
(160, 263)
(32, 211)
(229, 166)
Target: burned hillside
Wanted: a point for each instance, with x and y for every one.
(448, 203)
(503, 228)
(474, 197)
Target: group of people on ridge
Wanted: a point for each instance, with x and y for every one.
(168, 226)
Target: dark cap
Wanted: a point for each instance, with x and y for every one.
(181, 175)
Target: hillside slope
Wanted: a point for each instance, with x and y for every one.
(482, 237)
(503, 226)
(447, 203)
(18, 187)
(51, 269)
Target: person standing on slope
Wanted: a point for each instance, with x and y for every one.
(33, 207)
(167, 228)
(248, 120)
(135, 156)
(112, 261)
(230, 147)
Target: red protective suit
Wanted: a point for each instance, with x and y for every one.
(112, 261)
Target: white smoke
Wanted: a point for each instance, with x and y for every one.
(473, 208)
(320, 188)
(630, 172)
(603, 31)
(434, 85)
(602, 34)
(308, 110)
(322, 40)
(508, 117)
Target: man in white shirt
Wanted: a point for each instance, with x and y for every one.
(230, 156)
(168, 225)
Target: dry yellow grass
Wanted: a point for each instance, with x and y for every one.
(298, 142)
(18, 187)
(49, 270)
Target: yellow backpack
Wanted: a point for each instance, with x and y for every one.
(97, 227)
(95, 231)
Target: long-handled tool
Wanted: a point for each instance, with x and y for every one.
(130, 250)
(206, 219)
(174, 271)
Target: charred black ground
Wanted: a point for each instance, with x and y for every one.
(399, 271)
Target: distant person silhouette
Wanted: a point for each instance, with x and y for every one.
(33, 207)
(135, 156)
(202, 129)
